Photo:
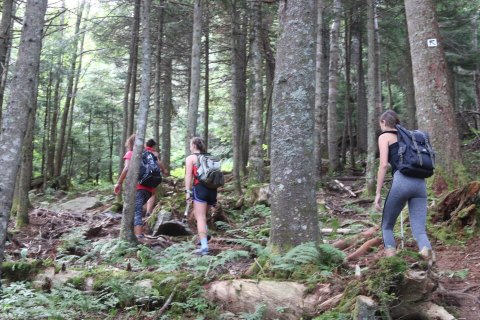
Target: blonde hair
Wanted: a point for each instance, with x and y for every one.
(130, 142)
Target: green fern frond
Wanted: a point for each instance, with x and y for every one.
(331, 256)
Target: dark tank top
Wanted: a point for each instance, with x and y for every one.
(393, 157)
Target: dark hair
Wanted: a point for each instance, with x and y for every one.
(391, 118)
(150, 143)
(199, 143)
(130, 142)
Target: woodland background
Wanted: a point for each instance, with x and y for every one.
(282, 91)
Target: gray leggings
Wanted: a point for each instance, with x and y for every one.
(412, 190)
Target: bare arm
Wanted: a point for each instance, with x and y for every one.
(189, 173)
(122, 177)
(383, 144)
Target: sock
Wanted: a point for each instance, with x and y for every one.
(203, 244)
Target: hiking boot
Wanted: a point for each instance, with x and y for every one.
(201, 252)
(429, 255)
(389, 252)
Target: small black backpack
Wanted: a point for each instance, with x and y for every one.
(416, 155)
(150, 174)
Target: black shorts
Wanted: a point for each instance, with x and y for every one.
(205, 195)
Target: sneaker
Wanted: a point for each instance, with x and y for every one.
(201, 252)
(208, 239)
(389, 252)
(429, 255)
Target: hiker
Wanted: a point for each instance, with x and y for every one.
(149, 145)
(143, 192)
(404, 189)
(203, 198)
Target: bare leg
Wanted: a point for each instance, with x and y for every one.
(200, 213)
(151, 203)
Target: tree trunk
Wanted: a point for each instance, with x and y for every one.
(126, 231)
(372, 97)
(358, 81)
(294, 207)
(206, 111)
(59, 150)
(194, 75)
(432, 88)
(158, 71)
(318, 89)
(256, 174)
(20, 107)
(5, 37)
(46, 126)
(332, 122)
(270, 73)
(347, 138)
(89, 145)
(476, 75)
(134, 61)
(128, 82)
(410, 119)
(25, 177)
(238, 108)
(167, 113)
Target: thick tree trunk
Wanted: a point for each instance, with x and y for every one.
(126, 231)
(134, 61)
(20, 107)
(318, 89)
(59, 150)
(332, 122)
(5, 37)
(256, 174)
(194, 75)
(294, 207)
(373, 93)
(432, 88)
(167, 113)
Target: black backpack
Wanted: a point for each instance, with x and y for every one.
(209, 171)
(416, 155)
(150, 174)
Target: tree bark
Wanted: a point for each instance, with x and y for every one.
(294, 207)
(270, 73)
(194, 75)
(206, 110)
(5, 37)
(435, 105)
(134, 61)
(126, 231)
(158, 71)
(256, 172)
(318, 89)
(373, 93)
(332, 123)
(126, 131)
(167, 113)
(236, 92)
(20, 107)
(410, 120)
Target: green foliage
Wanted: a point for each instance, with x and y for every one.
(20, 301)
(259, 313)
(21, 270)
(74, 242)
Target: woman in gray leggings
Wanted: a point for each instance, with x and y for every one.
(404, 190)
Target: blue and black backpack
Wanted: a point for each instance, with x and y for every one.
(416, 155)
(150, 174)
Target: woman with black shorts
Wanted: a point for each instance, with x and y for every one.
(203, 198)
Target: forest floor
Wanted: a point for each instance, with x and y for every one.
(457, 265)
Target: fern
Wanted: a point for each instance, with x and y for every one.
(331, 256)
(259, 313)
(259, 249)
(303, 254)
(227, 256)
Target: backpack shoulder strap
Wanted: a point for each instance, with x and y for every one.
(389, 131)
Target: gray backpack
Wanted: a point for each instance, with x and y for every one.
(209, 171)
